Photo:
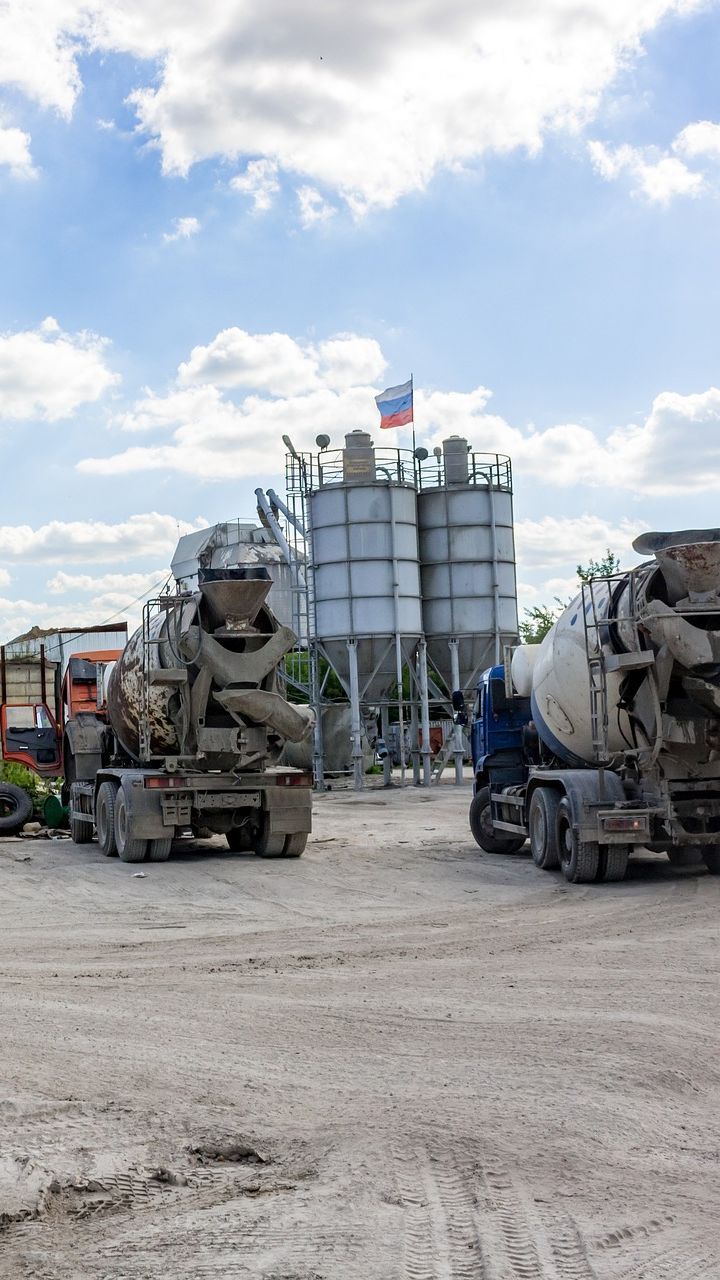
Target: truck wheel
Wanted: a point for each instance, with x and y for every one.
(159, 850)
(579, 859)
(267, 845)
(482, 828)
(542, 825)
(81, 829)
(613, 862)
(15, 808)
(711, 858)
(295, 844)
(105, 819)
(129, 848)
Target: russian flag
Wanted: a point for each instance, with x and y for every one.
(396, 405)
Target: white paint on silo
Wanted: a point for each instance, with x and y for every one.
(467, 559)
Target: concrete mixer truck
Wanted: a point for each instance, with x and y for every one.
(192, 726)
(606, 736)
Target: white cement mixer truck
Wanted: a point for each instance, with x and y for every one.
(191, 730)
(606, 736)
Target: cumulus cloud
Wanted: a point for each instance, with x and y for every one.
(544, 544)
(15, 152)
(183, 229)
(701, 139)
(94, 541)
(314, 208)
(657, 176)
(277, 363)
(259, 182)
(126, 585)
(48, 374)
(301, 389)
(366, 100)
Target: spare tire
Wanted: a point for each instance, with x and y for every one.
(15, 808)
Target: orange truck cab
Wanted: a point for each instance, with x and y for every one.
(31, 735)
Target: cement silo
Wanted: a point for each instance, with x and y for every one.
(467, 560)
(366, 615)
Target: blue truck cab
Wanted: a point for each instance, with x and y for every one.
(497, 735)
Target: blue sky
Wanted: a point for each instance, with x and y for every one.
(252, 219)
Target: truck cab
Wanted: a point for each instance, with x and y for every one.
(498, 732)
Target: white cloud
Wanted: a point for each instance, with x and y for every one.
(48, 374)
(279, 364)
(301, 389)
(314, 208)
(699, 139)
(544, 544)
(271, 362)
(184, 228)
(94, 541)
(260, 182)
(368, 100)
(15, 152)
(127, 585)
(5, 578)
(659, 177)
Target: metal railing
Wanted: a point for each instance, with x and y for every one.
(306, 472)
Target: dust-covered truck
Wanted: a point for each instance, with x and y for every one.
(188, 729)
(606, 736)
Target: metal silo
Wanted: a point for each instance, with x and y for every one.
(365, 611)
(363, 521)
(467, 560)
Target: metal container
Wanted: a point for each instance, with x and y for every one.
(467, 561)
(366, 573)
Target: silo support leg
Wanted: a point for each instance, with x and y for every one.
(385, 735)
(414, 742)
(458, 747)
(355, 720)
(424, 714)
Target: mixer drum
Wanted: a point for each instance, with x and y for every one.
(202, 655)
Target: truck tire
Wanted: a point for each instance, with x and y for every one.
(129, 848)
(81, 829)
(579, 859)
(105, 819)
(613, 862)
(295, 844)
(159, 850)
(15, 808)
(542, 826)
(482, 829)
(711, 858)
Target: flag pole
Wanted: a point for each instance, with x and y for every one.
(412, 401)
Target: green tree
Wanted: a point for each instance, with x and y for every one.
(537, 621)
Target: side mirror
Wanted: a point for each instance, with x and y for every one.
(458, 700)
(460, 718)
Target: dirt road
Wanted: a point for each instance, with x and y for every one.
(394, 1059)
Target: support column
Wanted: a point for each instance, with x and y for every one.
(316, 700)
(357, 757)
(385, 735)
(414, 742)
(425, 751)
(458, 748)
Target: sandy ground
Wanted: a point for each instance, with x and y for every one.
(394, 1059)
